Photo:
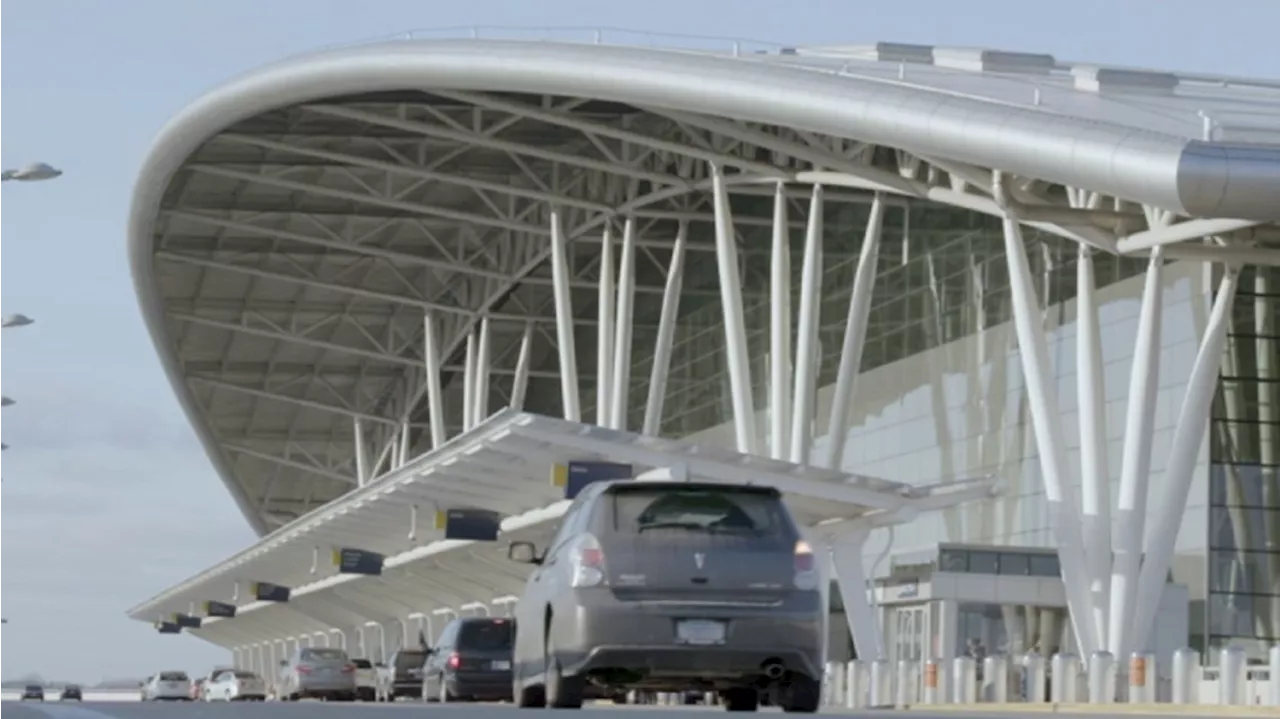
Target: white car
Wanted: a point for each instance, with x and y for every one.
(167, 686)
(367, 684)
(230, 685)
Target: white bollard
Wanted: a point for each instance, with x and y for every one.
(855, 684)
(881, 684)
(1143, 678)
(1274, 657)
(906, 684)
(833, 687)
(1187, 676)
(1033, 678)
(995, 679)
(963, 680)
(933, 690)
(1233, 677)
(1066, 679)
(1102, 678)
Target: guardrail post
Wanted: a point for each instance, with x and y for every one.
(934, 689)
(855, 684)
(1187, 676)
(1143, 678)
(995, 679)
(1102, 677)
(881, 683)
(1065, 681)
(1233, 677)
(906, 683)
(1033, 678)
(963, 680)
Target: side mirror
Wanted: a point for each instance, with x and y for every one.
(523, 552)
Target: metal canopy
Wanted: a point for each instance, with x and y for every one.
(504, 465)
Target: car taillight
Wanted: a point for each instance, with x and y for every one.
(304, 669)
(348, 668)
(806, 566)
(454, 661)
(588, 562)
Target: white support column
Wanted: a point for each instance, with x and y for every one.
(851, 578)
(1135, 467)
(520, 381)
(435, 395)
(807, 335)
(1095, 499)
(780, 328)
(469, 384)
(855, 333)
(481, 389)
(1188, 439)
(1064, 513)
(735, 330)
(666, 336)
(403, 446)
(621, 375)
(604, 328)
(1267, 352)
(362, 452)
(564, 320)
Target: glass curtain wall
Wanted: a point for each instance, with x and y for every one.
(1243, 606)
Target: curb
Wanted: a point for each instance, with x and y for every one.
(1109, 709)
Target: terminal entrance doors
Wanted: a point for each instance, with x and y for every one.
(910, 633)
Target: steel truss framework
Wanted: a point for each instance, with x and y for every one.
(341, 274)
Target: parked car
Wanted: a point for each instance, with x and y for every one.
(406, 672)
(366, 680)
(318, 672)
(71, 693)
(471, 661)
(231, 685)
(33, 692)
(672, 587)
(167, 686)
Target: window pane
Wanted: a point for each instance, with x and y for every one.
(1045, 565)
(953, 560)
(984, 562)
(1242, 527)
(1012, 563)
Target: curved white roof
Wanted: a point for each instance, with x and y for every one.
(289, 228)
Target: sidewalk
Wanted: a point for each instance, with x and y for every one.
(1198, 710)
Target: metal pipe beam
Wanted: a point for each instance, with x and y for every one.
(564, 320)
(665, 340)
(604, 329)
(734, 323)
(806, 378)
(621, 375)
(780, 327)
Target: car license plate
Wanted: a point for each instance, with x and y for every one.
(700, 631)
(500, 666)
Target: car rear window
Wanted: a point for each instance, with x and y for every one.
(173, 676)
(324, 655)
(483, 636)
(410, 659)
(704, 509)
(362, 663)
(246, 675)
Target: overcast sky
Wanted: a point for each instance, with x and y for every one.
(107, 498)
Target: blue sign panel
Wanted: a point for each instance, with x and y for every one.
(268, 592)
(581, 474)
(186, 621)
(168, 628)
(219, 609)
(477, 525)
(349, 560)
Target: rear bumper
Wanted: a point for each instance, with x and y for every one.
(326, 686)
(410, 688)
(489, 686)
(601, 633)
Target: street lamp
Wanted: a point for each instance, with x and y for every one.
(34, 172)
(16, 320)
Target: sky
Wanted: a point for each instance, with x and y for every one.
(107, 497)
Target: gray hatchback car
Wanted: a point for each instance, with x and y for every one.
(671, 586)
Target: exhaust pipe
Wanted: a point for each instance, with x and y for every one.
(773, 669)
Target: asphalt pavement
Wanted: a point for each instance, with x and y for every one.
(319, 710)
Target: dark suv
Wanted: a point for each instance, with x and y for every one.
(33, 692)
(471, 661)
(406, 672)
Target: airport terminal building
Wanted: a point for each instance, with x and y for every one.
(1002, 327)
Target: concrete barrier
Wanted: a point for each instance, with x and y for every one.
(51, 695)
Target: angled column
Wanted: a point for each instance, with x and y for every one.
(435, 396)
(855, 334)
(1064, 513)
(469, 384)
(806, 378)
(520, 381)
(621, 375)
(1095, 494)
(481, 389)
(666, 337)
(362, 452)
(851, 578)
(564, 320)
(1188, 438)
(1135, 461)
(604, 329)
(780, 328)
(735, 329)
